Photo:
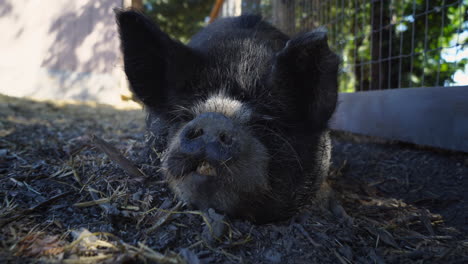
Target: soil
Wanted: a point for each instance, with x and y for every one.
(68, 196)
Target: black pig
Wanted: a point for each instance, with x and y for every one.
(240, 112)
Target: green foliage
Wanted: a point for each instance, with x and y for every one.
(429, 66)
(386, 44)
(181, 19)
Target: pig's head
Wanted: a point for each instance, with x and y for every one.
(233, 111)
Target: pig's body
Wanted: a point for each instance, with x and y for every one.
(241, 112)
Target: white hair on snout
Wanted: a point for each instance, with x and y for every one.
(229, 107)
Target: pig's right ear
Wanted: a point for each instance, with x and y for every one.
(156, 66)
(307, 69)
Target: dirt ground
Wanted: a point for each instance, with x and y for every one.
(63, 199)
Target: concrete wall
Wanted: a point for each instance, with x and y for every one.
(431, 116)
(231, 8)
(61, 49)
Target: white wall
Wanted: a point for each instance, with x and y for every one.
(60, 49)
(231, 8)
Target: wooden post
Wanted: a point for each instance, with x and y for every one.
(135, 4)
(215, 10)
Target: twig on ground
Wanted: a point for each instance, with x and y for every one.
(163, 219)
(102, 202)
(118, 158)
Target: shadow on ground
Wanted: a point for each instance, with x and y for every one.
(64, 200)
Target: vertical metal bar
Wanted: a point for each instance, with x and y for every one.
(311, 10)
(314, 13)
(300, 18)
(390, 57)
(440, 37)
(342, 22)
(289, 18)
(401, 58)
(315, 10)
(371, 45)
(412, 44)
(426, 26)
(458, 44)
(334, 18)
(330, 18)
(363, 36)
(380, 44)
(326, 13)
(354, 69)
(296, 17)
(292, 16)
(339, 23)
(320, 13)
(323, 13)
(303, 18)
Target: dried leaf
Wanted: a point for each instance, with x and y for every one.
(37, 245)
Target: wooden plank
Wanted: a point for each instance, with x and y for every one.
(433, 116)
(215, 10)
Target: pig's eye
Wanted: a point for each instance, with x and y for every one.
(195, 133)
(260, 122)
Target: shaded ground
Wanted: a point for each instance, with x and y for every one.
(64, 200)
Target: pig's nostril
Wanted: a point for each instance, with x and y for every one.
(225, 139)
(194, 133)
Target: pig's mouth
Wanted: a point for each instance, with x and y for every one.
(178, 166)
(221, 184)
(205, 169)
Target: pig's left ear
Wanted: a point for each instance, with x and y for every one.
(156, 66)
(307, 69)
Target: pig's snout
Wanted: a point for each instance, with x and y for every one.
(210, 136)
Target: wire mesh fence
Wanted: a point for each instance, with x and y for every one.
(384, 44)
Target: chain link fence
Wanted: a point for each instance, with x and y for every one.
(384, 44)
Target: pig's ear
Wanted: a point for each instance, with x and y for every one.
(156, 66)
(307, 69)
